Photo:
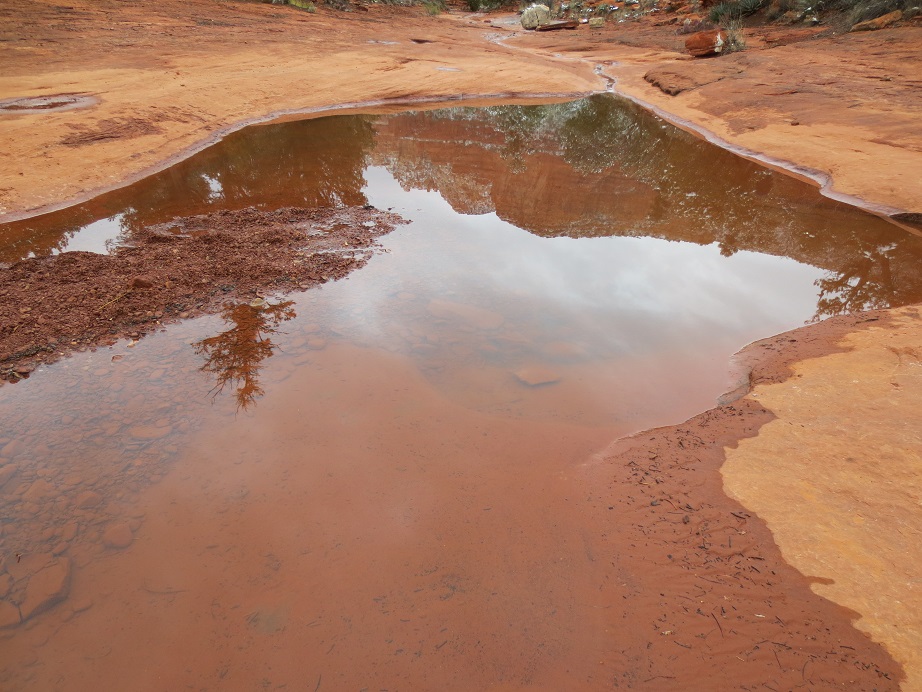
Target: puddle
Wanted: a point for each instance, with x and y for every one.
(42, 104)
(372, 484)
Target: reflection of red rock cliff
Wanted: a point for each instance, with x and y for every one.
(536, 189)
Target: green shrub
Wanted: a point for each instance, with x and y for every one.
(484, 5)
(847, 13)
(748, 7)
(723, 12)
(734, 9)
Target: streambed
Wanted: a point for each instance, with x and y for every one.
(396, 507)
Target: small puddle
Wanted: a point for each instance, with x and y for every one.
(372, 483)
(41, 104)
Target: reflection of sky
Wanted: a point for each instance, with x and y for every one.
(94, 236)
(596, 284)
(611, 298)
(638, 330)
(649, 318)
(215, 188)
(663, 312)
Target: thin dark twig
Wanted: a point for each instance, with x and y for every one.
(778, 659)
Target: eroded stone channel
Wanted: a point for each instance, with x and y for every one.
(402, 506)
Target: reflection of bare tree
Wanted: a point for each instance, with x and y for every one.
(235, 355)
(864, 284)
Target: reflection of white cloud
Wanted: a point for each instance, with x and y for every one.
(640, 330)
(634, 294)
(215, 188)
(94, 237)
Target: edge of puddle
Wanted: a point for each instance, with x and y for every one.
(812, 176)
(703, 443)
(823, 181)
(372, 107)
(742, 366)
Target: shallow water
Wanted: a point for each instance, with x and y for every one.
(388, 497)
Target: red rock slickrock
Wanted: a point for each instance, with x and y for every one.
(879, 23)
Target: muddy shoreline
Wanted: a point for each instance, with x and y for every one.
(710, 568)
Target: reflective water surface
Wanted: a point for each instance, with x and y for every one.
(372, 484)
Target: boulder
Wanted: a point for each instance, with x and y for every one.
(118, 536)
(535, 15)
(596, 22)
(879, 23)
(142, 282)
(536, 376)
(706, 43)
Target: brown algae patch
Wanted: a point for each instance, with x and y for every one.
(836, 478)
